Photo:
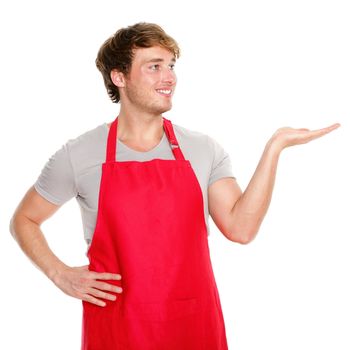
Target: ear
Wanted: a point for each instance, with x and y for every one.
(117, 78)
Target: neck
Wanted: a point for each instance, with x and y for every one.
(139, 127)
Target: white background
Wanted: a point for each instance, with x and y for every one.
(247, 68)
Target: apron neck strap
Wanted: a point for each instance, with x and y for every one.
(169, 131)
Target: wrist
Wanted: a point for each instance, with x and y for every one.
(55, 270)
(274, 146)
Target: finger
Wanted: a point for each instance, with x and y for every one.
(335, 126)
(313, 134)
(326, 129)
(330, 128)
(106, 286)
(105, 276)
(100, 294)
(93, 300)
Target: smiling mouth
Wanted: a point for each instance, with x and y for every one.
(164, 92)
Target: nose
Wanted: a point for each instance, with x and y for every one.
(169, 77)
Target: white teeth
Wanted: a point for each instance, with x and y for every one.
(166, 92)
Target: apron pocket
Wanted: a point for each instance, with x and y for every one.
(161, 311)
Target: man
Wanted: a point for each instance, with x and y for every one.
(146, 188)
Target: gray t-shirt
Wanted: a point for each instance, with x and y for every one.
(75, 169)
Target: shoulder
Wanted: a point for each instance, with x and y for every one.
(78, 154)
(197, 140)
(193, 137)
(88, 147)
(59, 178)
(89, 139)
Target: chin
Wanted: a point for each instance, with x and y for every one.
(162, 109)
(166, 110)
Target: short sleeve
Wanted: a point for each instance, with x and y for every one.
(56, 183)
(221, 165)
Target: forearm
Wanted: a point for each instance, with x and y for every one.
(77, 282)
(250, 209)
(33, 243)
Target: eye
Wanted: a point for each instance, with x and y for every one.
(155, 67)
(172, 66)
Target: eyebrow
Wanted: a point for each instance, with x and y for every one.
(159, 60)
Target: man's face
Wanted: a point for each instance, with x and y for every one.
(151, 82)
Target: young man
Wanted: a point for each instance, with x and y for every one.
(146, 187)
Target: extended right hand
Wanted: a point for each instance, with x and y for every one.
(83, 284)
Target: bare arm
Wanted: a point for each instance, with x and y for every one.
(239, 215)
(78, 282)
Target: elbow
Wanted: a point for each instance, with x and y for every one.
(12, 227)
(244, 240)
(243, 236)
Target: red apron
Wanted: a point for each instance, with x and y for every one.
(151, 229)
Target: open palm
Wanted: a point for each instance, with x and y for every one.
(286, 136)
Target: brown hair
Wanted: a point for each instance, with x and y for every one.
(117, 51)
